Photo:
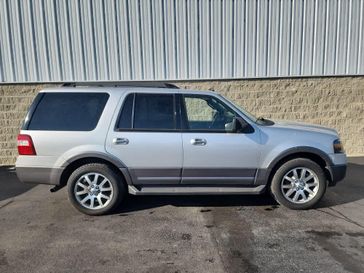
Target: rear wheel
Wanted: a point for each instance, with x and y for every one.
(95, 189)
(299, 184)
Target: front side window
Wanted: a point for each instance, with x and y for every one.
(147, 112)
(207, 113)
(68, 111)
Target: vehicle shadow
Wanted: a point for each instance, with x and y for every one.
(349, 190)
(10, 184)
(138, 203)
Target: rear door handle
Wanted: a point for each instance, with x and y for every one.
(120, 141)
(198, 141)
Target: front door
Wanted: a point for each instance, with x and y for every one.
(146, 139)
(212, 154)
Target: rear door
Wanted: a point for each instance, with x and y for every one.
(146, 138)
(212, 154)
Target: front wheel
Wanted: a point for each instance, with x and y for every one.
(299, 184)
(95, 189)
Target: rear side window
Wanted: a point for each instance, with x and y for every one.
(154, 111)
(147, 112)
(68, 111)
(125, 119)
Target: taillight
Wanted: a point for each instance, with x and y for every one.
(25, 145)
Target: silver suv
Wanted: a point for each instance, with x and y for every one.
(103, 142)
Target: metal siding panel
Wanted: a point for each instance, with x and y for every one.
(113, 42)
(182, 40)
(159, 40)
(296, 38)
(45, 40)
(285, 38)
(360, 45)
(88, 36)
(331, 34)
(125, 39)
(262, 38)
(170, 39)
(146, 35)
(352, 53)
(17, 38)
(6, 44)
(273, 38)
(42, 41)
(319, 38)
(30, 53)
(192, 45)
(341, 32)
(251, 38)
(64, 40)
(101, 40)
(238, 41)
(217, 39)
(204, 42)
(77, 41)
(228, 44)
(308, 37)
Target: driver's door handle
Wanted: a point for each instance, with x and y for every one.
(120, 141)
(198, 141)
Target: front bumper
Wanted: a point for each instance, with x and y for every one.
(337, 173)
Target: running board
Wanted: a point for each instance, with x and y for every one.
(190, 190)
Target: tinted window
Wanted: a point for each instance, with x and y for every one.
(125, 119)
(154, 111)
(68, 111)
(207, 113)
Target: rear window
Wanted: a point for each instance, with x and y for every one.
(67, 111)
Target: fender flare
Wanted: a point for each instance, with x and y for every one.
(105, 156)
(108, 157)
(264, 174)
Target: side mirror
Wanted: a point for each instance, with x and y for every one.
(238, 125)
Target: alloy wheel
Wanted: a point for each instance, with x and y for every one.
(93, 191)
(300, 185)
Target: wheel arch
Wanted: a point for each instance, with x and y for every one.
(72, 164)
(314, 154)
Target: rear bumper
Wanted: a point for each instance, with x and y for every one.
(38, 175)
(337, 173)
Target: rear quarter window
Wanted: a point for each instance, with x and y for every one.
(68, 112)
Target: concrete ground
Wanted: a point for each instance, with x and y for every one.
(41, 232)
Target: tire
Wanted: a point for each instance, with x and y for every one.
(100, 189)
(296, 180)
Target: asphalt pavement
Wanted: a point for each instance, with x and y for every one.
(41, 232)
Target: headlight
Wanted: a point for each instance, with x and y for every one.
(338, 146)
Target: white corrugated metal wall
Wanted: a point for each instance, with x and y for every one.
(69, 40)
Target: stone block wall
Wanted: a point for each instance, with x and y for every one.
(336, 102)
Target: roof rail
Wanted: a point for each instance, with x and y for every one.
(121, 84)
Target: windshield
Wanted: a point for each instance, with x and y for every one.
(246, 113)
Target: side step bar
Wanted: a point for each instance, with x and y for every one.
(194, 190)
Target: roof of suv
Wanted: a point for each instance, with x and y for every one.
(118, 89)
